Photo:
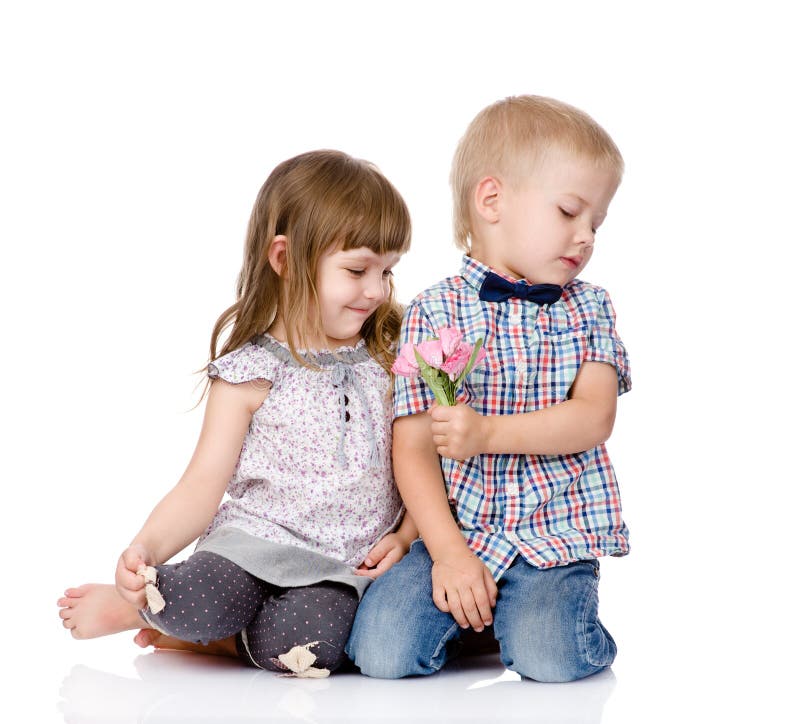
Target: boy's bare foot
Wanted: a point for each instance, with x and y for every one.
(96, 609)
(150, 637)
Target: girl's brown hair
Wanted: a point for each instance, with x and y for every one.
(318, 200)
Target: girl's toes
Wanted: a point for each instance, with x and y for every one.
(146, 637)
(79, 591)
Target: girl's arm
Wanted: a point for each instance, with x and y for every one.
(185, 512)
(579, 423)
(389, 549)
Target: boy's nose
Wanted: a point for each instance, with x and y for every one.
(585, 236)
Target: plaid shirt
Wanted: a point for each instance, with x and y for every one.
(551, 509)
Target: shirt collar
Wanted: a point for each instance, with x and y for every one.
(474, 272)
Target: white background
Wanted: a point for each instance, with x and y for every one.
(134, 139)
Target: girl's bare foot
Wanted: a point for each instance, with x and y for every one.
(96, 609)
(150, 637)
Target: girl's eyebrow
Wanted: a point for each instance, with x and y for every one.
(365, 257)
(360, 255)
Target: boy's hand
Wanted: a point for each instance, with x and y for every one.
(130, 585)
(384, 554)
(464, 588)
(458, 432)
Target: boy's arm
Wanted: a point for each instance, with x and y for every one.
(462, 584)
(581, 422)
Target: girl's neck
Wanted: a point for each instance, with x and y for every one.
(278, 331)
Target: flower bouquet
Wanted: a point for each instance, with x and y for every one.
(443, 362)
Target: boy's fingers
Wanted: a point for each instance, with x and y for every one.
(471, 611)
(491, 586)
(457, 610)
(484, 607)
(440, 600)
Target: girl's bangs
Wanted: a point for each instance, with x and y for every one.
(382, 225)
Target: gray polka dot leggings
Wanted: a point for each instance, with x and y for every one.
(210, 598)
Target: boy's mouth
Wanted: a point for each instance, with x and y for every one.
(573, 262)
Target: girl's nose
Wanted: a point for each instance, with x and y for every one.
(374, 288)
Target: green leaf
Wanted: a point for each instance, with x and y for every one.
(433, 378)
(475, 350)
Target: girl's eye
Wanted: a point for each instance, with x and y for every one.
(566, 213)
(356, 272)
(388, 273)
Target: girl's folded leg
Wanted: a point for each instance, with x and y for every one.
(398, 630)
(207, 598)
(321, 614)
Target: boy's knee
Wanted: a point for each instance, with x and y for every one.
(555, 655)
(384, 657)
(385, 644)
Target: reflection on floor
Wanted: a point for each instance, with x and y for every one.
(172, 686)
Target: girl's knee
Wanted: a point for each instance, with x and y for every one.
(318, 618)
(274, 657)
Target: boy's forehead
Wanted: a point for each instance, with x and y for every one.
(561, 166)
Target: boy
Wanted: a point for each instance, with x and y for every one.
(523, 499)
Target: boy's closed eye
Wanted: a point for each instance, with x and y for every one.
(568, 214)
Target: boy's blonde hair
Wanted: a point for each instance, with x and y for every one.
(509, 137)
(320, 201)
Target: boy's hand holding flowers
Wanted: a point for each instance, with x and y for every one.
(458, 432)
(443, 363)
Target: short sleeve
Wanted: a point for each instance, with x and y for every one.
(605, 344)
(248, 362)
(411, 394)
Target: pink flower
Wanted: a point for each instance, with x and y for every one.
(450, 338)
(431, 352)
(406, 363)
(454, 365)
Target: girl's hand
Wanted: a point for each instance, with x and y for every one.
(384, 554)
(463, 587)
(458, 432)
(130, 585)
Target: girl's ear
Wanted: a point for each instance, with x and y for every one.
(486, 197)
(277, 254)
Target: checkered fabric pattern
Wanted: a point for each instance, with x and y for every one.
(551, 509)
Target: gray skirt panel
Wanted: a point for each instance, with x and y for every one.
(281, 565)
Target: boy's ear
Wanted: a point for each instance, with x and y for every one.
(277, 254)
(486, 197)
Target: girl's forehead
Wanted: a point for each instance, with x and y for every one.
(362, 253)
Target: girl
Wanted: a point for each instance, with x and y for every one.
(296, 428)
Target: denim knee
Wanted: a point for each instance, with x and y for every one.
(398, 631)
(556, 635)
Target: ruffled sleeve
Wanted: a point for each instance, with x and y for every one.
(605, 344)
(249, 362)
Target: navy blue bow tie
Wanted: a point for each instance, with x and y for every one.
(497, 289)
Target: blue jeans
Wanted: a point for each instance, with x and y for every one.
(545, 622)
